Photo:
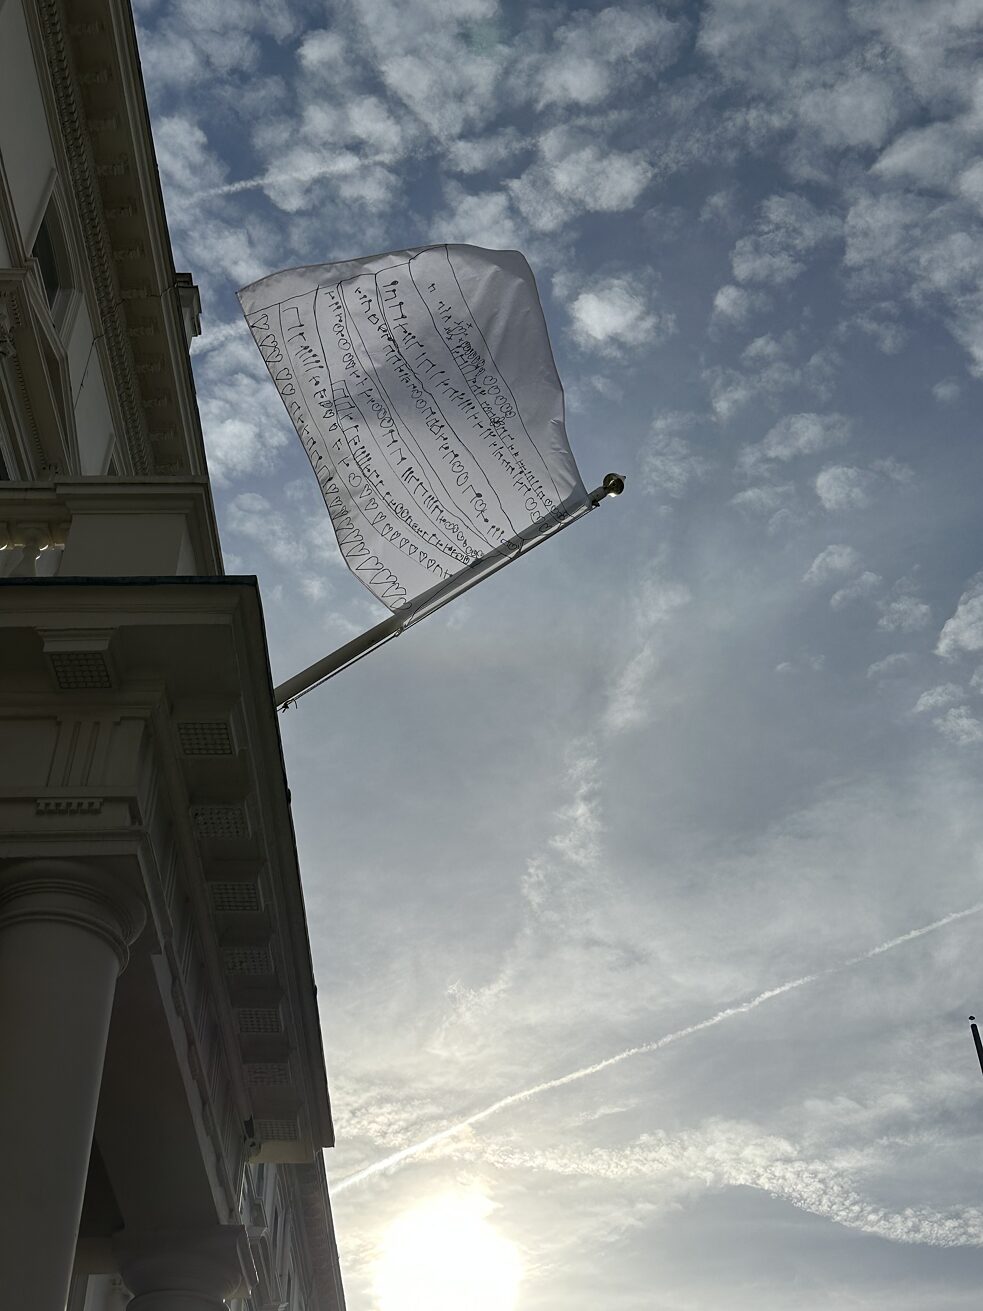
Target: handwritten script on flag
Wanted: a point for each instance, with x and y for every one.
(423, 388)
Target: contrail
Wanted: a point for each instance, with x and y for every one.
(513, 1099)
(339, 164)
(247, 184)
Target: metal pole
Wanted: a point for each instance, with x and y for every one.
(976, 1040)
(329, 665)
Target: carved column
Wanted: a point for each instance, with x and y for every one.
(65, 929)
(185, 1270)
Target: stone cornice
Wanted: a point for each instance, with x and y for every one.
(108, 154)
(213, 767)
(98, 247)
(47, 509)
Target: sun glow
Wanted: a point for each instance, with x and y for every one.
(445, 1256)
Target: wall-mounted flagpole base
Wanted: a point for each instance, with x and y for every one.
(313, 675)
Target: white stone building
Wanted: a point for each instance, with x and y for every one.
(162, 1084)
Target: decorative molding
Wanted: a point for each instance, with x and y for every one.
(13, 298)
(68, 806)
(7, 347)
(68, 892)
(216, 1264)
(93, 224)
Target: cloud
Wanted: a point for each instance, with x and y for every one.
(938, 698)
(669, 465)
(788, 230)
(947, 391)
(880, 323)
(855, 108)
(842, 487)
(891, 666)
(481, 154)
(856, 589)
(197, 42)
(765, 500)
(293, 540)
(925, 251)
(929, 156)
(594, 56)
(768, 369)
(902, 611)
(573, 851)
(480, 218)
(960, 726)
(574, 175)
(964, 630)
(653, 619)
(832, 562)
(615, 316)
(793, 436)
(721, 1016)
(722, 1154)
(734, 306)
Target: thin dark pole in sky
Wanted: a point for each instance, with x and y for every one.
(976, 1040)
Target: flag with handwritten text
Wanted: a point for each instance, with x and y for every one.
(423, 388)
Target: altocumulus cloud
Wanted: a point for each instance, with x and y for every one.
(615, 315)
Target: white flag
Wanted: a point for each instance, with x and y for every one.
(423, 388)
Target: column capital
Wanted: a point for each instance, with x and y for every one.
(192, 1268)
(70, 892)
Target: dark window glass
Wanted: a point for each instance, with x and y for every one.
(44, 253)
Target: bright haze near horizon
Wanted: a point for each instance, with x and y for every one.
(724, 735)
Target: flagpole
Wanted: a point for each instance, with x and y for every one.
(344, 656)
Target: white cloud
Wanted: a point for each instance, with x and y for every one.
(480, 218)
(788, 230)
(880, 323)
(960, 726)
(806, 663)
(928, 156)
(963, 631)
(765, 499)
(832, 562)
(902, 611)
(856, 109)
(655, 609)
(938, 698)
(793, 436)
(574, 175)
(842, 487)
(733, 306)
(721, 1154)
(891, 666)
(241, 438)
(478, 154)
(969, 184)
(856, 590)
(592, 57)
(932, 40)
(668, 463)
(947, 391)
(614, 315)
(761, 44)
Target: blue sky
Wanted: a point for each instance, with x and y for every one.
(725, 734)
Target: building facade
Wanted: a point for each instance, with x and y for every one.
(162, 1079)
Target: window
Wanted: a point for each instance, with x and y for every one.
(44, 253)
(52, 257)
